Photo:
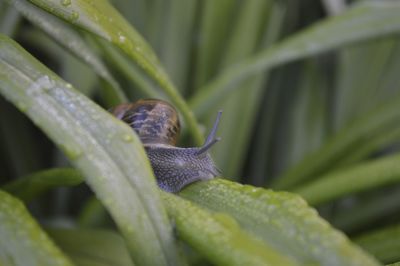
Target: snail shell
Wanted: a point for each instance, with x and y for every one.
(157, 124)
(155, 121)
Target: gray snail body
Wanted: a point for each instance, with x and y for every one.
(157, 124)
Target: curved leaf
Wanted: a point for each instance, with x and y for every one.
(71, 40)
(382, 243)
(87, 246)
(218, 237)
(361, 134)
(22, 241)
(30, 186)
(363, 21)
(368, 211)
(101, 19)
(107, 151)
(282, 220)
(365, 176)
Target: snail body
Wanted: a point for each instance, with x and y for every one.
(157, 124)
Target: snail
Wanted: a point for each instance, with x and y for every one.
(157, 124)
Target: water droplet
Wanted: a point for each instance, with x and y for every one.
(122, 38)
(73, 152)
(68, 85)
(74, 15)
(127, 137)
(65, 2)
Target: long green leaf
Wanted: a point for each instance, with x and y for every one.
(382, 243)
(88, 247)
(22, 241)
(368, 211)
(237, 123)
(196, 226)
(215, 23)
(365, 71)
(281, 219)
(346, 142)
(30, 186)
(71, 40)
(365, 176)
(177, 40)
(107, 151)
(101, 19)
(218, 236)
(363, 21)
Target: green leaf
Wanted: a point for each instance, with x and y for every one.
(176, 47)
(365, 71)
(368, 211)
(282, 220)
(215, 23)
(89, 247)
(382, 243)
(369, 175)
(72, 41)
(237, 123)
(363, 21)
(105, 150)
(30, 186)
(101, 19)
(22, 241)
(367, 130)
(218, 236)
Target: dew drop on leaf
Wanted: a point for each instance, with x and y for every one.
(127, 137)
(65, 2)
(74, 16)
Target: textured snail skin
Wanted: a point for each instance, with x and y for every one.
(157, 124)
(177, 167)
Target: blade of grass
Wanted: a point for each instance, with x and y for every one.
(71, 40)
(368, 211)
(363, 177)
(216, 18)
(101, 19)
(21, 146)
(89, 245)
(363, 21)
(383, 243)
(107, 151)
(281, 219)
(218, 237)
(30, 186)
(261, 163)
(22, 241)
(9, 19)
(129, 70)
(135, 11)
(93, 214)
(240, 106)
(381, 142)
(310, 113)
(363, 72)
(177, 40)
(372, 125)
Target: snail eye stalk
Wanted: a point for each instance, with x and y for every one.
(211, 139)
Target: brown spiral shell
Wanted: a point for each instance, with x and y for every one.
(155, 121)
